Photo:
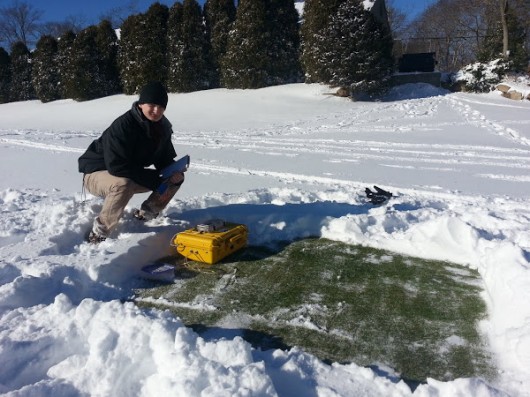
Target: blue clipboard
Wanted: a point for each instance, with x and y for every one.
(181, 165)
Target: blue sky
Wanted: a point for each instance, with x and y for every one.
(412, 8)
(91, 10)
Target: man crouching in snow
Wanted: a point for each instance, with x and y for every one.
(115, 164)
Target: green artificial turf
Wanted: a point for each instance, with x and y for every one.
(341, 303)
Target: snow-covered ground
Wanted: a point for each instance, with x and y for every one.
(458, 165)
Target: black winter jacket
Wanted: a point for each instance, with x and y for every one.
(130, 145)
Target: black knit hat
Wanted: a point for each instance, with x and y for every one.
(155, 93)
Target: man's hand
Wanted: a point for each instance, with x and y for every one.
(177, 178)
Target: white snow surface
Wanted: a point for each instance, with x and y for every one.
(289, 162)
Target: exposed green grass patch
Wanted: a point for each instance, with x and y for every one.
(342, 303)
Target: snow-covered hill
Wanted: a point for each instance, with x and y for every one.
(457, 163)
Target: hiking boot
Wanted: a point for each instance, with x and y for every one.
(98, 233)
(144, 214)
(93, 238)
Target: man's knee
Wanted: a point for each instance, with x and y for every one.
(123, 189)
(102, 183)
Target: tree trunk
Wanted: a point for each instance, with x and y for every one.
(503, 8)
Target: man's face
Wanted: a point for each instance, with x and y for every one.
(151, 111)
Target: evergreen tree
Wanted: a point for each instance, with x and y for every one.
(107, 44)
(64, 56)
(317, 14)
(86, 79)
(45, 70)
(358, 50)
(155, 51)
(5, 76)
(129, 61)
(284, 45)
(245, 63)
(21, 88)
(263, 46)
(219, 17)
(175, 44)
(188, 46)
(143, 49)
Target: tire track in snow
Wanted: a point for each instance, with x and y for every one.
(294, 146)
(197, 165)
(389, 154)
(355, 150)
(477, 118)
(40, 145)
(272, 174)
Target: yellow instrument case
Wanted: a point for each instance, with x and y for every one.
(211, 244)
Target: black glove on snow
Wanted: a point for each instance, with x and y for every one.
(379, 196)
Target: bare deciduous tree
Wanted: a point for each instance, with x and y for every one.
(457, 29)
(397, 19)
(520, 9)
(503, 8)
(398, 25)
(117, 15)
(19, 22)
(57, 29)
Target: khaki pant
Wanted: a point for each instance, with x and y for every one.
(117, 192)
